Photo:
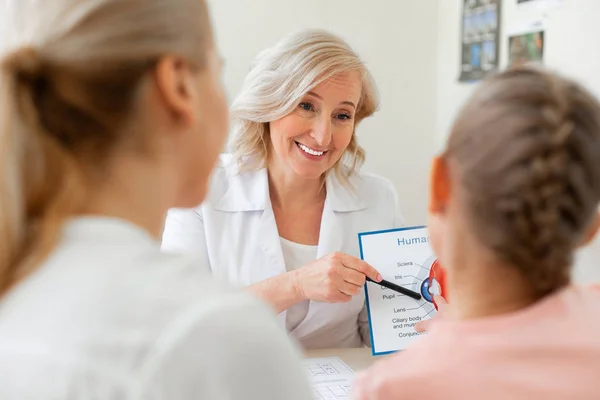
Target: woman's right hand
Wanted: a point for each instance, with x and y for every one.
(334, 278)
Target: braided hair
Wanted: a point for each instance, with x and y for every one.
(527, 152)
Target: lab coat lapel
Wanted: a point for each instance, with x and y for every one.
(268, 234)
(250, 193)
(269, 243)
(330, 238)
(339, 200)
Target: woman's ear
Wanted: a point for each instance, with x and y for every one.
(592, 230)
(175, 86)
(439, 186)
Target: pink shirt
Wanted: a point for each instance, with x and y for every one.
(548, 351)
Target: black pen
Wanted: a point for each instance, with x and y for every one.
(397, 288)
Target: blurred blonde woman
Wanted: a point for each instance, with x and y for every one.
(285, 207)
(111, 114)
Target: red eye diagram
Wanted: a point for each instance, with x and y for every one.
(433, 280)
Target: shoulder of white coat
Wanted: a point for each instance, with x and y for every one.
(225, 161)
(373, 188)
(220, 177)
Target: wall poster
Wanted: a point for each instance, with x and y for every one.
(480, 39)
(526, 43)
(527, 48)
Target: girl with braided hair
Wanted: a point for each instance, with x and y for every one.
(513, 196)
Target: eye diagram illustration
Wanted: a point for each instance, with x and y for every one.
(431, 280)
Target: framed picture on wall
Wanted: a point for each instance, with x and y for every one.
(526, 48)
(479, 39)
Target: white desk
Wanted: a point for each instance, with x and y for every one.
(357, 359)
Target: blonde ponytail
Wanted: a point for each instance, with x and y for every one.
(39, 182)
(12, 210)
(65, 105)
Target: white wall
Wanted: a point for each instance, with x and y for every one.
(397, 39)
(572, 32)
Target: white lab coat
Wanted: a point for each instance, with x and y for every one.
(234, 232)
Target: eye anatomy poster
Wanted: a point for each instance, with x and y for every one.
(405, 258)
(480, 39)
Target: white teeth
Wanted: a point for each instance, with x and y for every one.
(310, 151)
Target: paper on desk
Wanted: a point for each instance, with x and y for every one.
(330, 377)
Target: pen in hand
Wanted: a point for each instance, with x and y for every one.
(397, 288)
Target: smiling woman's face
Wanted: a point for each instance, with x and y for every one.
(312, 138)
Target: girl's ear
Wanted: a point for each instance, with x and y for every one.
(439, 186)
(592, 230)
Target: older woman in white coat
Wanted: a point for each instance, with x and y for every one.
(284, 209)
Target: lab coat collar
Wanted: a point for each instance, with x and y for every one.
(246, 191)
(249, 191)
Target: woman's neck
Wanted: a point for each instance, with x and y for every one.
(131, 190)
(479, 285)
(499, 291)
(285, 188)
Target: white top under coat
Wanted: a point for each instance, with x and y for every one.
(297, 255)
